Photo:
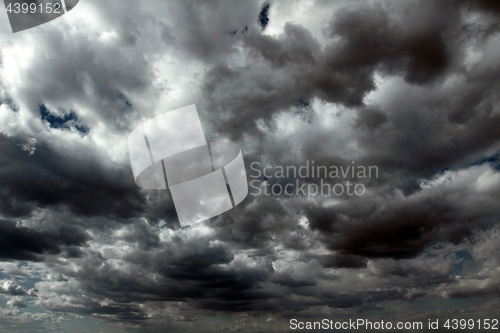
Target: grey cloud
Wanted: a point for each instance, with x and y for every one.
(16, 303)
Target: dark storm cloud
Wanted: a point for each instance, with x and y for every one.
(431, 130)
(412, 140)
(421, 144)
(293, 55)
(342, 261)
(489, 6)
(52, 178)
(193, 274)
(370, 38)
(381, 233)
(405, 142)
(255, 228)
(22, 243)
(362, 41)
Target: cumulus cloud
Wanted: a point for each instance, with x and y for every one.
(11, 288)
(16, 303)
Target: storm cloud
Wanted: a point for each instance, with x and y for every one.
(408, 87)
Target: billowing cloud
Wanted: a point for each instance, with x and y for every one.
(409, 88)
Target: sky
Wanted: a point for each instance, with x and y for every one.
(408, 87)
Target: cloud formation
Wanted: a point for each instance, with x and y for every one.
(409, 87)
